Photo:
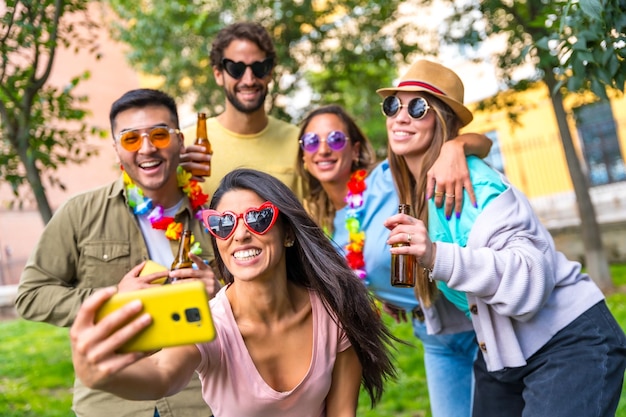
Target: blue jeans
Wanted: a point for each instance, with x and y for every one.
(448, 359)
(579, 372)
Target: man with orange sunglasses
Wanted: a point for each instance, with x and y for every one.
(104, 236)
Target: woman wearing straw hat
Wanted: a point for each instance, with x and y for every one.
(548, 344)
(351, 196)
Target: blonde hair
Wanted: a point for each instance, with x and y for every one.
(447, 126)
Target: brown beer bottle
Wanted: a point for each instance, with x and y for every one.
(202, 139)
(182, 259)
(403, 267)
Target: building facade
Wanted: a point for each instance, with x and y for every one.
(530, 153)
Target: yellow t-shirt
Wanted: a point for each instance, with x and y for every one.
(273, 150)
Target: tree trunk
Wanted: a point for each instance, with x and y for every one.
(595, 255)
(34, 179)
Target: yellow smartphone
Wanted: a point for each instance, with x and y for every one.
(180, 316)
(151, 267)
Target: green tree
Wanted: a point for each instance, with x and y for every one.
(40, 125)
(337, 47)
(575, 46)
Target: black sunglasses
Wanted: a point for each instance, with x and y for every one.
(260, 69)
(417, 107)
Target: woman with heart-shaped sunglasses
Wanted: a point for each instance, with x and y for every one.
(297, 333)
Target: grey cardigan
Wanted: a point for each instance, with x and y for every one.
(521, 291)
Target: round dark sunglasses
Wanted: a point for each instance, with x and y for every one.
(417, 107)
(260, 69)
(336, 140)
(258, 220)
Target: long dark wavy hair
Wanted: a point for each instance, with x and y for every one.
(316, 201)
(313, 263)
(413, 192)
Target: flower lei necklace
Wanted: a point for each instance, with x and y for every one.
(142, 205)
(356, 236)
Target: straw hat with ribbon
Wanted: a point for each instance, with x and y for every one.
(437, 80)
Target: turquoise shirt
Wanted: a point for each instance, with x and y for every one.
(381, 202)
(487, 185)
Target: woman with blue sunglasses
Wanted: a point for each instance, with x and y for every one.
(351, 196)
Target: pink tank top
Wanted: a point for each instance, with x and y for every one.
(232, 386)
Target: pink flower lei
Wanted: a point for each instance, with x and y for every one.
(142, 205)
(356, 236)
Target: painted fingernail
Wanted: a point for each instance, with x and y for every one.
(458, 214)
(448, 217)
(475, 204)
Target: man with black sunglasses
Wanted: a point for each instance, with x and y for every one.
(103, 237)
(244, 135)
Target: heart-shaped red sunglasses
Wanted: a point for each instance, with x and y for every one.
(259, 220)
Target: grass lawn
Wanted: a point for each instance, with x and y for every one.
(36, 371)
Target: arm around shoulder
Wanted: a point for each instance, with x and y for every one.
(474, 144)
(449, 175)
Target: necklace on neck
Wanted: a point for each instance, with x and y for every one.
(142, 205)
(356, 236)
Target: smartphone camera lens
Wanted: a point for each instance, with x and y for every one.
(175, 316)
(192, 314)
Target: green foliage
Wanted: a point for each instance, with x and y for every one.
(36, 369)
(583, 43)
(408, 395)
(592, 46)
(41, 125)
(338, 47)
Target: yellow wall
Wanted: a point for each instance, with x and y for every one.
(533, 154)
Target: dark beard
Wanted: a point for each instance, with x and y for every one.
(240, 107)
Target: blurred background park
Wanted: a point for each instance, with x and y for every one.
(545, 80)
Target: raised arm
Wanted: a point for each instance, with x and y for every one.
(135, 375)
(449, 175)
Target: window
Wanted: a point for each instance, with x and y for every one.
(596, 129)
(495, 158)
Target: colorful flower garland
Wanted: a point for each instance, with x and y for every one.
(356, 236)
(142, 205)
